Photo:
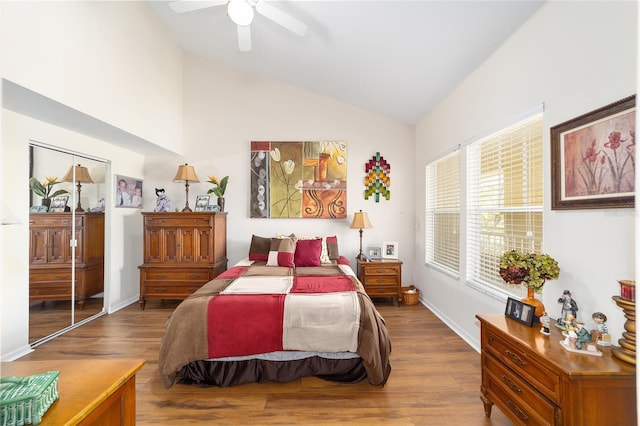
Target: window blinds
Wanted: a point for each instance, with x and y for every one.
(442, 244)
(505, 199)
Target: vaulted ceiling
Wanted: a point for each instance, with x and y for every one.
(396, 58)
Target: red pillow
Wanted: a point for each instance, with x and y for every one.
(308, 252)
(282, 252)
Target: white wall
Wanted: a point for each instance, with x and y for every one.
(112, 60)
(123, 226)
(573, 57)
(225, 109)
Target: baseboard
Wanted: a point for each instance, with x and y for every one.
(123, 304)
(18, 353)
(471, 340)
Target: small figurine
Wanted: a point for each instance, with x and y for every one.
(583, 336)
(163, 204)
(544, 323)
(569, 307)
(600, 334)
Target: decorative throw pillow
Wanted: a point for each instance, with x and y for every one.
(282, 252)
(332, 248)
(259, 248)
(308, 252)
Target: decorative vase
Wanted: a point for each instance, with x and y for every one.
(221, 203)
(531, 300)
(46, 202)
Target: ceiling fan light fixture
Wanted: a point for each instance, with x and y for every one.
(240, 12)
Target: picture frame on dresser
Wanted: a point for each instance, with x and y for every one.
(520, 311)
(202, 201)
(390, 250)
(58, 204)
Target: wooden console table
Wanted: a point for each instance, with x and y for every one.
(92, 391)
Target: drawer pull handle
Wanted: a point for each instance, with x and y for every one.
(161, 276)
(160, 289)
(515, 358)
(60, 276)
(379, 271)
(194, 275)
(511, 384)
(518, 412)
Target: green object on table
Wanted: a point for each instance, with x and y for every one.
(24, 400)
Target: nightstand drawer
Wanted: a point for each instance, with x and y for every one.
(521, 364)
(204, 275)
(393, 280)
(381, 270)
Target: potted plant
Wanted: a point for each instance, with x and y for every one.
(219, 188)
(530, 269)
(45, 189)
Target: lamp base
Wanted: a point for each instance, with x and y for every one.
(187, 209)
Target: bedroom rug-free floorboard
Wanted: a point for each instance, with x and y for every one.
(435, 378)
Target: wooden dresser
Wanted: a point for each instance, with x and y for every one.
(535, 381)
(92, 391)
(50, 256)
(182, 251)
(381, 278)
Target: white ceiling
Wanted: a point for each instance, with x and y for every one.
(396, 58)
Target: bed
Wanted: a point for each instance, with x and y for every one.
(293, 308)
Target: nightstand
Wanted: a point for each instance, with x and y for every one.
(381, 278)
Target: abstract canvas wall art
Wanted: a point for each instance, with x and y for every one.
(377, 180)
(306, 179)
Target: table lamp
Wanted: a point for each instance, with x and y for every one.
(361, 221)
(185, 174)
(79, 174)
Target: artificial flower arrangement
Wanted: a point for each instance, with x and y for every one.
(45, 188)
(219, 187)
(530, 269)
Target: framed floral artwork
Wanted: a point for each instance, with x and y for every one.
(593, 159)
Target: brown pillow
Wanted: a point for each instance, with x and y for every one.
(332, 248)
(259, 248)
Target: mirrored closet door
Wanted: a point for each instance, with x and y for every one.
(67, 235)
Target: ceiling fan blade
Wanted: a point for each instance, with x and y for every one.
(244, 38)
(279, 17)
(185, 6)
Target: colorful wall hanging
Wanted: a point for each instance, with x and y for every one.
(299, 179)
(377, 180)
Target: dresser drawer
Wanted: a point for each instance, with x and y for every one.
(543, 379)
(500, 381)
(164, 291)
(516, 408)
(45, 276)
(173, 222)
(202, 275)
(41, 291)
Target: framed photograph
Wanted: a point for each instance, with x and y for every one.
(390, 250)
(202, 201)
(374, 253)
(593, 159)
(58, 204)
(520, 311)
(38, 209)
(128, 192)
(212, 208)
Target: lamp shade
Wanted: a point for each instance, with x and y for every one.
(186, 173)
(361, 220)
(81, 175)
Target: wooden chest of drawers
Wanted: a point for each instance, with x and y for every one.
(381, 278)
(182, 252)
(533, 380)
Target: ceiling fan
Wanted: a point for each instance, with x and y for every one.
(241, 13)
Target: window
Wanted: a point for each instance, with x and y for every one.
(442, 245)
(505, 201)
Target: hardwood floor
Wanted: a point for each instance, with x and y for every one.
(435, 378)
